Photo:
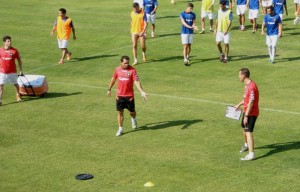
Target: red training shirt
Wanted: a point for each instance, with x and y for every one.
(126, 78)
(251, 93)
(7, 60)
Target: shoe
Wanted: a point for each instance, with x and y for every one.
(119, 132)
(225, 60)
(296, 21)
(242, 28)
(186, 62)
(135, 63)
(211, 30)
(247, 157)
(244, 148)
(271, 61)
(222, 57)
(69, 56)
(19, 98)
(134, 124)
(61, 61)
(202, 32)
(145, 59)
(152, 34)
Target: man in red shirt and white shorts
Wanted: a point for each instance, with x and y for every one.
(251, 112)
(8, 69)
(126, 76)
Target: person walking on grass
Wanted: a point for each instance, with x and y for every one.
(240, 11)
(138, 30)
(251, 112)
(126, 76)
(63, 26)
(223, 24)
(207, 10)
(150, 7)
(253, 6)
(188, 19)
(8, 69)
(273, 24)
(279, 7)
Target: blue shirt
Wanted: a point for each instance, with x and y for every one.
(149, 5)
(189, 18)
(278, 6)
(241, 2)
(272, 23)
(254, 4)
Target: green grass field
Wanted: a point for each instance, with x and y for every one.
(184, 142)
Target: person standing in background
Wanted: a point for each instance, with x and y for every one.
(63, 25)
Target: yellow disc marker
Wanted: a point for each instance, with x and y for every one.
(149, 184)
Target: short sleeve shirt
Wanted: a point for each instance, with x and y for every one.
(126, 78)
(7, 60)
(251, 93)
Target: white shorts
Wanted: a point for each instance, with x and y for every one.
(240, 9)
(266, 3)
(221, 37)
(210, 15)
(8, 78)
(62, 43)
(253, 13)
(186, 39)
(151, 18)
(297, 1)
(271, 40)
(281, 16)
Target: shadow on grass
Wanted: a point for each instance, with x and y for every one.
(167, 17)
(170, 34)
(279, 147)
(75, 59)
(47, 96)
(167, 124)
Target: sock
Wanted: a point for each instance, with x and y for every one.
(120, 128)
(133, 119)
(251, 154)
(246, 145)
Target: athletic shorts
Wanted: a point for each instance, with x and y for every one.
(125, 103)
(253, 13)
(220, 37)
(210, 15)
(281, 16)
(62, 43)
(271, 40)
(251, 122)
(240, 9)
(266, 3)
(8, 78)
(186, 39)
(151, 18)
(297, 1)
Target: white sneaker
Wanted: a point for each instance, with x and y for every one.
(119, 133)
(247, 157)
(134, 124)
(296, 21)
(152, 34)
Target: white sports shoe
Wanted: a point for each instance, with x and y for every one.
(134, 124)
(296, 21)
(248, 157)
(119, 133)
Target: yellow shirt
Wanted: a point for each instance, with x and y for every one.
(223, 20)
(206, 4)
(137, 21)
(63, 28)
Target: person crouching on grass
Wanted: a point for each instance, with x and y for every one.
(126, 76)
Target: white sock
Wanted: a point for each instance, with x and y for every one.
(133, 119)
(121, 128)
(251, 153)
(246, 145)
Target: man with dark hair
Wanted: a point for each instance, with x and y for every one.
(138, 29)
(251, 112)
(188, 19)
(8, 69)
(273, 24)
(126, 76)
(64, 26)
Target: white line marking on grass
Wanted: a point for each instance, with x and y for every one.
(181, 98)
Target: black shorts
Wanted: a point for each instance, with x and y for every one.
(251, 122)
(125, 103)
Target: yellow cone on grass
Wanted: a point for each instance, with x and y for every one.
(149, 184)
